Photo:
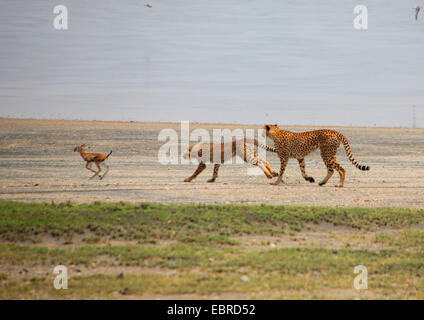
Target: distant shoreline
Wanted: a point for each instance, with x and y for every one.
(199, 123)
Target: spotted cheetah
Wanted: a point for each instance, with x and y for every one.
(244, 148)
(299, 145)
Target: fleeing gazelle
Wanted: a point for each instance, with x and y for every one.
(90, 157)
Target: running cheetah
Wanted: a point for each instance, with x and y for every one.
(245, 149)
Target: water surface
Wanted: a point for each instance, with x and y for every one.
(253, 61)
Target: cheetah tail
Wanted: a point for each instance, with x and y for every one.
(350, 155)
(267, 148)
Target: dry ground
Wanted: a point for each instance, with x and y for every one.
(37, 163)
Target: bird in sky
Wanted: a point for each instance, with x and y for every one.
(148, 5)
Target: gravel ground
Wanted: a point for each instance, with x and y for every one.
(37, 163)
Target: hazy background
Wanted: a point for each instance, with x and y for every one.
(260, 61)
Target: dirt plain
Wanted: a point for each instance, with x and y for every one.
(37, 163)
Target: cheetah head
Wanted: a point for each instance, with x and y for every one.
(270, 130)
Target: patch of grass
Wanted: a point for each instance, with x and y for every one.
(178, 255)
(299, 271)
(92, 239)
(192, 249)
(408, 238)
(146, 221)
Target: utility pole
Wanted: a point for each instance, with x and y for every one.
(414, 117)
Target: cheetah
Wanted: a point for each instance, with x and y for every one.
(299, 145)
(244, 148)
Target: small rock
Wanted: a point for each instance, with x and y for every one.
(245, 279)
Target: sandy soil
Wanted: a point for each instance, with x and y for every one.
(37, 163)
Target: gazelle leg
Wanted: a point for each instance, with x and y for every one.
(88, 167)
(104, 174)
(272, 171)
(98, 171)
(256, 161)
(261, 165)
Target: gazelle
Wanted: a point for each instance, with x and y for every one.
(90, 157)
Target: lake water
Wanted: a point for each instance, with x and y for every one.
(252, 61)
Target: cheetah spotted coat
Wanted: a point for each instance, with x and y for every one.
(299, 145)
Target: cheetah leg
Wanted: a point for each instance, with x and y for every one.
(283, 167)
(341, 171)
(302, 170)
(331, 165)
(330, 172)
(199, 169)
(328, 154)
(215, 172)
(272, 171)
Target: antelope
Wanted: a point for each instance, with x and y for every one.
(90, 157)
